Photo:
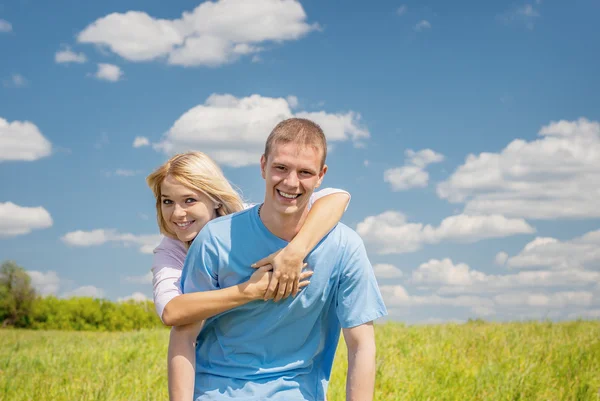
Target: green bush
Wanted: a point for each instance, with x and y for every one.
(88, 314)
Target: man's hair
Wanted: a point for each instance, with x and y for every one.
(300, 131)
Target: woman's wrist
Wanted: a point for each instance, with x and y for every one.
(249, 293)
(295, 250)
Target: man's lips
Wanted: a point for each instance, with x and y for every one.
(288, 195)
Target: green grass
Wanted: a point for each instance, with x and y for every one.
(475, 361)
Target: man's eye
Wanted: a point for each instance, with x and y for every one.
(280, 168)
(190, 200)
(167, 201)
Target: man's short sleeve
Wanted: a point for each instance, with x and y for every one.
(200, 270)
(358, 300)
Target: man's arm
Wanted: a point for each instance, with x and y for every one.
(182, 361)
(360, 380)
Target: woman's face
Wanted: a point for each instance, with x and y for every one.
(185, 210)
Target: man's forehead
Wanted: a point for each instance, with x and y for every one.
(294, 150)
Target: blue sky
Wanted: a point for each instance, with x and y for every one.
(467, 133)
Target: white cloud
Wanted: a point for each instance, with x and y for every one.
(22, 140)
(449, 278)
(80, 238)
(15, 81)
(402, 178)
(5, 26)
(557, 176)
(214, 33)
(397, 296)
(402, 10)
(384, 270)
(18, 220)
(85, 291)
(447, 273)
(145, 279)
(140, 141)
(233, 130)
(577, 253)
(109, 72)
(556, 300)
(412, 174)
(501, 258)
(422, 25)
(389, 232)
(44, 283)
(68, 56)
(136, 297)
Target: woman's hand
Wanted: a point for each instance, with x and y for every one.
(287, 267)
(258, 284)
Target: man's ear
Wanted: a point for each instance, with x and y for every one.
(263, 166)
(321, 175)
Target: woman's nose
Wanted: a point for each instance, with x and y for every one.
(178, 211)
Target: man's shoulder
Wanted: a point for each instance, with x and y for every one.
(228, 219)
(344, 236)
(222, 225)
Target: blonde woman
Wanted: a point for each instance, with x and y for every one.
(190, 190)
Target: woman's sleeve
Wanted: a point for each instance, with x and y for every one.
(327, 191)
(167, 265)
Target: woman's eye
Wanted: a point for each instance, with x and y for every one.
(190, 200)
(167, 201)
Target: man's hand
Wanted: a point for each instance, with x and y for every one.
(287, 266)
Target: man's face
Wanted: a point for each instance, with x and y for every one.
(292, 172)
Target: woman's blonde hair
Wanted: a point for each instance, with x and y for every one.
(199, 172)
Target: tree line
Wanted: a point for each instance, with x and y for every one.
(22, 307)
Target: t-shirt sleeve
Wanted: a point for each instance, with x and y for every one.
(327, 191)
(167, 263)
(358, 300)
(200, 270)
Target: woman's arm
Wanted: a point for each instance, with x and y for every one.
(182, 361)
(188, 308)
(193, 307)
(288, 262)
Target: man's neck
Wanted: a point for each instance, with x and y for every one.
(284, 226)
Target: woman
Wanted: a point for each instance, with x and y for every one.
(190, 190)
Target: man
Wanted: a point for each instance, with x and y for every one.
(284, 351)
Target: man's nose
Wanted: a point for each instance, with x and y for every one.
(291, 179)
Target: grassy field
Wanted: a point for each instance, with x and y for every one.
(474, 361)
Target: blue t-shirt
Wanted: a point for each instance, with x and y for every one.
(268, 350)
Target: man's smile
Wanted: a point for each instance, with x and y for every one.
(288, 195)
